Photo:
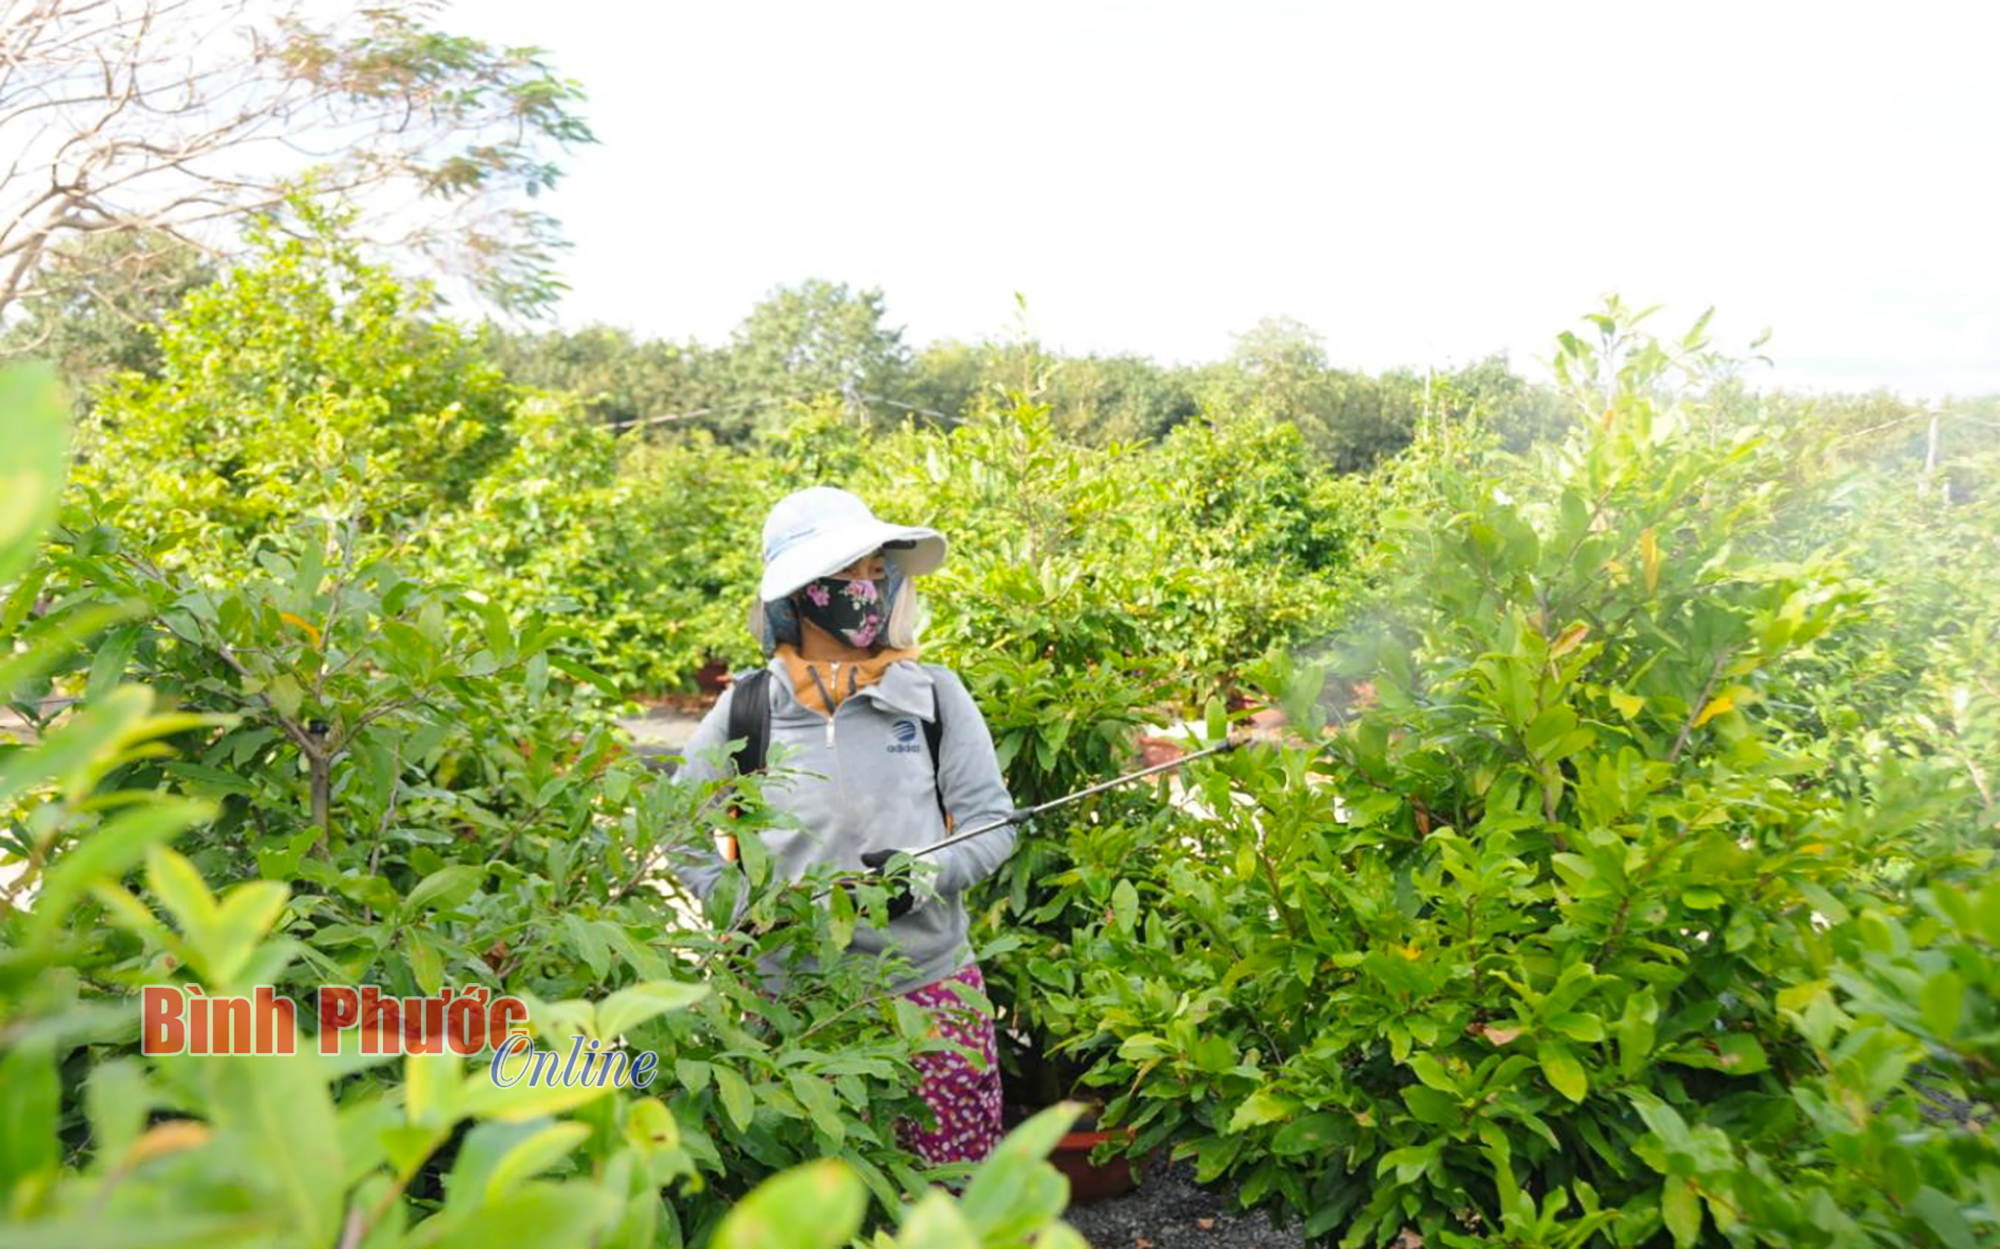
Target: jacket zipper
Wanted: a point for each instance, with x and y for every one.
(832, 715)
(832, 719)
(826, 691)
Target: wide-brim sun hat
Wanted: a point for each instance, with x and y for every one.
(816, 532)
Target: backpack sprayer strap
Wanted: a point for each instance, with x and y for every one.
(750, 722)
(934, 739)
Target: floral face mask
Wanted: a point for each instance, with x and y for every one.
(856, 611)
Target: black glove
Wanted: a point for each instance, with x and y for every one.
(901, 900)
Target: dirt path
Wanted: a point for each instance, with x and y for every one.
(661, 732)
(1168, 1210)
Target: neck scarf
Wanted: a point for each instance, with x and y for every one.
(823, 684)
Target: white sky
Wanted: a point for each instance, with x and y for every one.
(1417, 181)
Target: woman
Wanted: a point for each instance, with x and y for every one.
(883, 754)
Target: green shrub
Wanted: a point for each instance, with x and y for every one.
(446, 807)
(304, 383)
(410, 793)
(1899, 1147)
(1092, 592)
(1448, 966)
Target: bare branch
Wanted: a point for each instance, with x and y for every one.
(186, 115)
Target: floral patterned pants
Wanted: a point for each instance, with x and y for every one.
(965, 1099)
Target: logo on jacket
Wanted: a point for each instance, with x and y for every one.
(905, 733)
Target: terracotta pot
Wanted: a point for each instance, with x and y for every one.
(711, 677)
(1088, 1182)
(1154, 751)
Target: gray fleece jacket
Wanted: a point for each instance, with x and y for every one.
(861, 780)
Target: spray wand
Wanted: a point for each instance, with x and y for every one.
(1022, 815)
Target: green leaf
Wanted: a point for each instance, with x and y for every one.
(241, 923)
(406, 1147)
(1432, 1072)
(431, 621)
(479, 1152)
(1578, 1027)
(1015, 1190)
(820, 1103)
(117, 1100)
(1431, 1106)
(531, 1156)
(426, 965)
(30, 1098)
(1125, 906)
(1680, 1209)
(815, 1206)
(587, 944)
(1945, 1218)
(652, 1126)
(431, 1083)
(1216, 726)
(81, 749)
(114, 655)
(277, 1110)
(49, 643)
(107, 853)
(1307, 1134)
(1266, 1105)
(1037, 1136)
(151, 1230)
(1942, 1002)
(1635, 1032)
(736, 1098)
(1565, 1074)
(1741, 1055)
(1822, 901)
(180, 888)
(1411, 1161)
(1213, 1054)
(209, 782)
(630, 1007)
(589, 676)
(935, 1223)
(34, 427)
(1663, 1121)
(25, 596)
(445, 888)
(545, 1215)
(1552, 724)
(284, 695)
(840, 911)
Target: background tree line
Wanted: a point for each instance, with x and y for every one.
(98, 310)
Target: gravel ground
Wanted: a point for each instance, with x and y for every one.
(660, 733)
(1169, 1211)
